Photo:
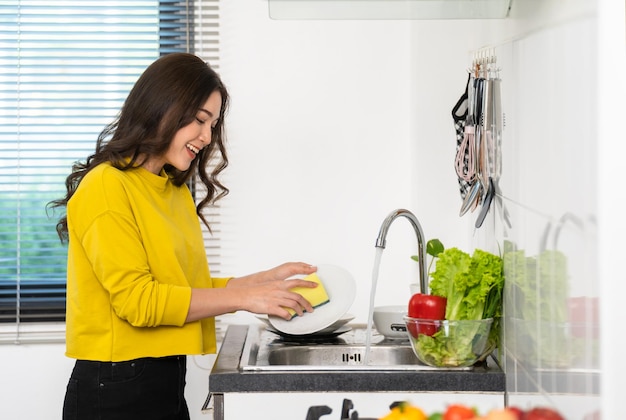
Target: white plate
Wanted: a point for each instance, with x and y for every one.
(345, 318)
(328, 330)
(341, 290)
(311, 337)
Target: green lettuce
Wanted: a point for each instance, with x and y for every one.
(538, 292)
(472, 285)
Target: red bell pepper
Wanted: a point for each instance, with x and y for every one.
(426, 307)
(459, 412)
(584, 316)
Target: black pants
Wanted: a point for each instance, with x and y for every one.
(147, 388)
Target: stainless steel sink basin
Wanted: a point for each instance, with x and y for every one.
(342, 355)
(265, 351)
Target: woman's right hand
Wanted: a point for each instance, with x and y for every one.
(265, 293)
(273, 297)
(268, 292)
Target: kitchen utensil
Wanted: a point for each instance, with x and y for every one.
(462, 115)
(474, 195)
(498, 124)
(486, 125)
(341, 289)
(470, 199)
(317, 411)
(490, 155)
(486, 204)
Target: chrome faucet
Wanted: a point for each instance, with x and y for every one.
(421, 243)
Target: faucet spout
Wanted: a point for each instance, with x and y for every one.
(421, 243)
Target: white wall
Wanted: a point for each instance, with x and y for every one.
(33, 381)
(319, 141)
(334, 124)
(612, 225)
(552, 174)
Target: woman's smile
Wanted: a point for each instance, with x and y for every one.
(190, 139)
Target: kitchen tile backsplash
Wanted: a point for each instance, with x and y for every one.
(548, 184)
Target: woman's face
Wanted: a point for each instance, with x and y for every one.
(189, 140)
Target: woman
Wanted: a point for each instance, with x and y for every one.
(139, 292)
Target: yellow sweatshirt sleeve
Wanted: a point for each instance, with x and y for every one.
(221, 281)
(125, 274)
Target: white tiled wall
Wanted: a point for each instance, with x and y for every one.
(549, 187)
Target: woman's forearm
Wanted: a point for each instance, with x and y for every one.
(213, 302)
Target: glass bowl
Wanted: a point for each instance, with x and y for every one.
(443, 343)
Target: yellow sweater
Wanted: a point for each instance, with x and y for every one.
(135, 252)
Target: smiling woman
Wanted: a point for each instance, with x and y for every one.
(140, 295)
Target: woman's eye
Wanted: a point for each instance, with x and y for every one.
(200, 121)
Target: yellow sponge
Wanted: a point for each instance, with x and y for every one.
(317, 296)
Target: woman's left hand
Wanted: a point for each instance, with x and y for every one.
(287, 270)
(281, 272)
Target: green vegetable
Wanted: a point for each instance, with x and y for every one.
(538, 293)
(473, 286)
(434, 247)
(539, 285)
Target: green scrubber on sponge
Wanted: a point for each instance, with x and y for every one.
(317, 296)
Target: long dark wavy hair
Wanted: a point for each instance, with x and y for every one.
(165, 98)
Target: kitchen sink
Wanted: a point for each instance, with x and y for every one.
(342, 355)
(265, 350)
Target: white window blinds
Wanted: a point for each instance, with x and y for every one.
(65, 70)
(206, 46)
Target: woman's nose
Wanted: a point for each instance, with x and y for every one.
(205, 134)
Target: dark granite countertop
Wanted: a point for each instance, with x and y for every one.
(226, 376)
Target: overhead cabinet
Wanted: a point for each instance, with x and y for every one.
(388, 9)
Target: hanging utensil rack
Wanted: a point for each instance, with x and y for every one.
(478, 160)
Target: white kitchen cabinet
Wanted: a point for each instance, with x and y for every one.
(294, 406)
(389, 9)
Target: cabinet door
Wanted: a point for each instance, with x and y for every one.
(294, 406)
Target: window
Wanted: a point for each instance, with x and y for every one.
(206, 45)
(65, 70)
